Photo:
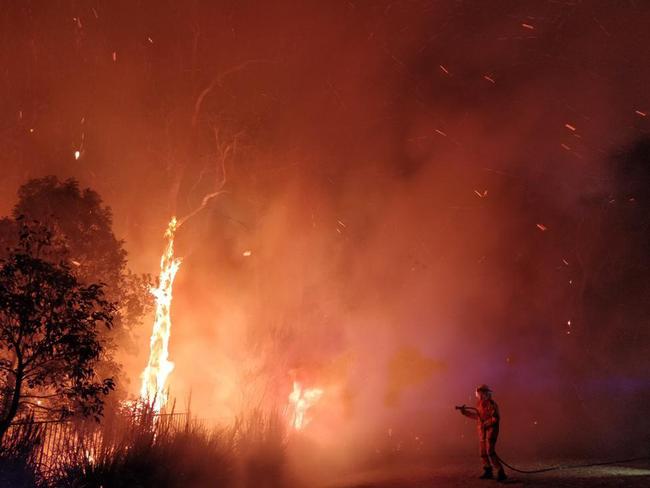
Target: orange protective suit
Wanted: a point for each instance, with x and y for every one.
(487, 417)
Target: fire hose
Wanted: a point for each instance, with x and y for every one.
(559, 466)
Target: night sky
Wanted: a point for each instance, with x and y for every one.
(420, 196)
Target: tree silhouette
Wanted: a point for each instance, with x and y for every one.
(82, 236)
(49, 334)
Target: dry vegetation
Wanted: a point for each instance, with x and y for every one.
(144, 450)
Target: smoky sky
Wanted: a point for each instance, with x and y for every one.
(426, 191)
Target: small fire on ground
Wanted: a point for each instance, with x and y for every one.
(300, 401)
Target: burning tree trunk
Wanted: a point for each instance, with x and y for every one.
(154, 377)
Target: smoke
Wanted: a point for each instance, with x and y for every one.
(409, 209)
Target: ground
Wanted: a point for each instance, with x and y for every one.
(634, 475)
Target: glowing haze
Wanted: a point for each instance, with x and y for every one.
(422, 196)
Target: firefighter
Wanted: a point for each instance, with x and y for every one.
(487, 416)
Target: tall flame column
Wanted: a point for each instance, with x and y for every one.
(154, 377)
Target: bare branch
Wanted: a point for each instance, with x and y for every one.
(219, 191)
(42, 407)
(217, 80)
(42, 396)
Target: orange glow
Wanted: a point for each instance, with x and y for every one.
(300, 401)
(154, 377)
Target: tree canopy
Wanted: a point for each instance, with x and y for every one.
(82, 237)
(50, 326)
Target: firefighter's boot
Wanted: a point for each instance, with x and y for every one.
(501, 475)
(487, 474)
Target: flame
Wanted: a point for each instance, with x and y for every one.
(90, 456)
(301, 400)
(154, 376)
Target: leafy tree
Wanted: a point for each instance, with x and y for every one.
(82, 236)
(49, 334)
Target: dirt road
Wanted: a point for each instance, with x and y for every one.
(636, 475)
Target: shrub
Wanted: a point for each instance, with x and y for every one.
(153, 451)
(17, 467)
